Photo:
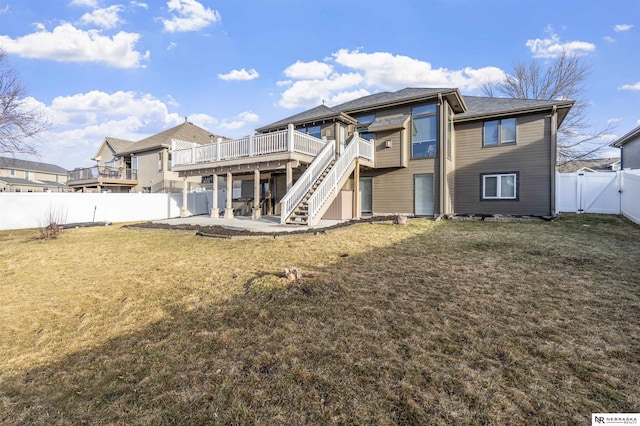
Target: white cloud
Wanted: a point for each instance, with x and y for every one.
(4, 10)
(172, 45)
(622, 27)
(189, 15)
(347, 96)
(284, 83)
(104, 18)
(67, 43)
(308, 70)
(305, 93)
(609, 39)
(635, 86)
(614, 120)
(139, 4)
(239, 121)
(239, 75)
(87, 3)
(370, 72)
(552, 47)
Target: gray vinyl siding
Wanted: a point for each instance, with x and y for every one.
(393, 189)
(388, 157)
(631, 155)
(530, 157)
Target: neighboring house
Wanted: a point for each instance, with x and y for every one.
(143, 166)
(629, 146)
(417, 151)
(591, 165)
(31, 176)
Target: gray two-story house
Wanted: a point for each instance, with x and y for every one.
(418, 151)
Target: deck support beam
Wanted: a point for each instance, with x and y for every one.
(257, 213)
(184, 211)
(228, 210)
(215, 211)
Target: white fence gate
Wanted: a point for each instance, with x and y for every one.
(604, 193)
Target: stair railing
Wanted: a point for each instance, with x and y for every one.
(297, 192)
(357, 148)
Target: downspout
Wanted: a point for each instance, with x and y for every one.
(554, 158)
(441, 157)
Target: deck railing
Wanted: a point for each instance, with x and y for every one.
(294, 195)
(102, 172)
(289, 140)
(357, 148)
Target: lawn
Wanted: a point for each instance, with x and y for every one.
(433, 322)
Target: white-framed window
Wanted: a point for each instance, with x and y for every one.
(499, 186)
(28, 175)
(424, 131)
(12, 172)
(499, 132)
(160, 161)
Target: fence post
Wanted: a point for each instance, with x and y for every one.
(251, 147)
(218, 142)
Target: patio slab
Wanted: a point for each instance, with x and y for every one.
(265, 224)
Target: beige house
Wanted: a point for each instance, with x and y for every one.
(31, 176)
(143, 166)
(629, 145)
(417, 151)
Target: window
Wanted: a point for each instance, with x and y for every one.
(424, 132)
(28, 175)
(159, 161)
(503, 186)
(362, 127)
(500, 132)
(18, 190)
(315, 131)
(169, 161)
(12, 172)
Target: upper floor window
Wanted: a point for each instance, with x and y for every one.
(315, 131)
(28, 175)
(159, 161)
(499, 132)
(424, 132)
(12, 172)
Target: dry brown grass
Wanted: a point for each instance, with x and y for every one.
(447, 322)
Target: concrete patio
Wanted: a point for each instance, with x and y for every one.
(265, 224)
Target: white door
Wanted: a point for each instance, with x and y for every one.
(423, 194)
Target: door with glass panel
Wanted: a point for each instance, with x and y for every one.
(423, 194)
(366, 199)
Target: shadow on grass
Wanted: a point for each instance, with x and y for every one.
(463, 326)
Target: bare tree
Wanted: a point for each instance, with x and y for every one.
(19, 122)
(562, 78)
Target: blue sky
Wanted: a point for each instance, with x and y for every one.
(129, 69)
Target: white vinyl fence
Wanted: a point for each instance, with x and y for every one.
(36, 209)
(605, 193)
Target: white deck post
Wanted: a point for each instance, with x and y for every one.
(215, 211)
(228, 211)
(184, 211)
(251, 147)
(257, 214)
(289, 176)
(218, 142)
(290, 129)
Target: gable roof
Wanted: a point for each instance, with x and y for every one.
(26, 182)
(595, 165)
(118, 144)
(377, 100)
(35, 166)
(186, 131)
(629, 137)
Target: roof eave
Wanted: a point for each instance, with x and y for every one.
(413, 99)
(619, 143)
(531, 109)
(335, 116)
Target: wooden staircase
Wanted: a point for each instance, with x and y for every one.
(300, 215)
